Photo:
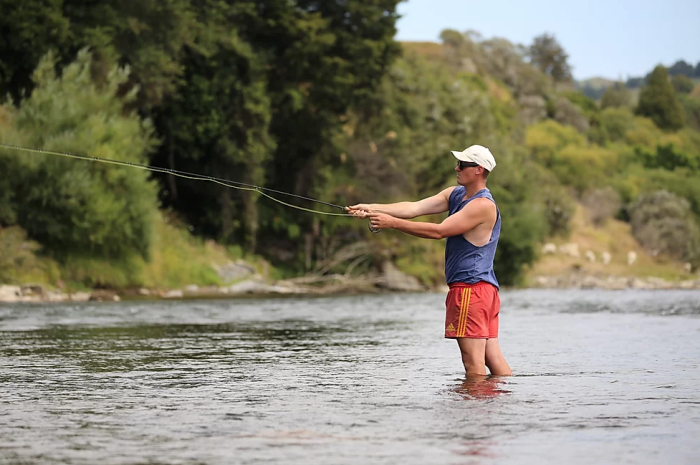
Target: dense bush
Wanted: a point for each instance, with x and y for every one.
(72, 206)
(663, 223)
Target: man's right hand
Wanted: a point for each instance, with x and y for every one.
(361, 210)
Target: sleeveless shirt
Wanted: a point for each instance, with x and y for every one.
(465, 262)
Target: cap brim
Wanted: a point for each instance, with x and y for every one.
(461, 156)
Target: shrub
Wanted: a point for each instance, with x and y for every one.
(559, 209)
(583, 167)
(72, 206)
(567, 113)
(616, 96)
(546, 139)
(602, 204)
(682, 84)
(616, 122)
(663, 223)
(19, 262)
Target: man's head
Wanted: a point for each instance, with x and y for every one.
(474, 164)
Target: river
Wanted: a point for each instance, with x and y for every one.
(599, 377)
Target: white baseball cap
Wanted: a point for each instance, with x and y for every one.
(477, 154)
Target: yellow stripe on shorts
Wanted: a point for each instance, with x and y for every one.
(464, 313)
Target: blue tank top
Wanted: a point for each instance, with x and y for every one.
(465, 262)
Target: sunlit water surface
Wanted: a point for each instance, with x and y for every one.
(600, 377)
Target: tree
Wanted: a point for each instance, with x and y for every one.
(682, 84)
(28, 29)
(663, 223)
(636, 82)
(78, 208)
(261, 75)
(148, 35)
(681, 67)
(658, 101)
(547, 55)
(616, 96)
(615, 122)
(218, 124)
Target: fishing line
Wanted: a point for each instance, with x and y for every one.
(196, 177)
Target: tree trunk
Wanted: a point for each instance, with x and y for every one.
(250, 204)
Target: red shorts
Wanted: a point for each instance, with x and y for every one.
(472, 311)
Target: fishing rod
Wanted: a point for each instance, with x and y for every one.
(194, 176)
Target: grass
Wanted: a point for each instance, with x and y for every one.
(177, 259)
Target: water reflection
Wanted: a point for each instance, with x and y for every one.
(481, 387)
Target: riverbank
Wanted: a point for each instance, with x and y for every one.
(246, 282)
(392, 281)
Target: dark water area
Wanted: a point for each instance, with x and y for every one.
(600, 377)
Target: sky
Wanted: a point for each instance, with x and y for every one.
(613, 39)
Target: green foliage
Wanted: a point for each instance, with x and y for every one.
(681, 67)
(682, 84)
(77, 207)
(559, 207)
(18, 260)
(616, 96)
(658, 101)
(669, 157)
(524, 223)
(569, 114)
(430, 111)
(583, 167)
(615, 123)
(264, 93)
(496, 58)
(307, 97)
(682, 182)
(550, 58)
(691, 107)
(29, 29)
(663, 223)
(220, 120)
(584, 103)
(148, 35)
(644, 133)
(545, 140)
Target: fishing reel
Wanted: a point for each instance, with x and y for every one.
(372, 229)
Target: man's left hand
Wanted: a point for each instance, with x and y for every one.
(381, 220)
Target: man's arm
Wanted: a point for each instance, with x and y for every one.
(475, 213)
(438, 203)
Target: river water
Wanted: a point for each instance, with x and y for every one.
(600, 377)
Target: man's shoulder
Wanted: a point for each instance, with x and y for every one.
(482, 206)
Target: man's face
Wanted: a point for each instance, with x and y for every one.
(467, 173)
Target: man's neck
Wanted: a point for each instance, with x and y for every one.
(471, 189)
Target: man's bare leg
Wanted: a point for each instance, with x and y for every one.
(495, 360)
(473, 355)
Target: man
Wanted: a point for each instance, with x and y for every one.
(472, 230)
